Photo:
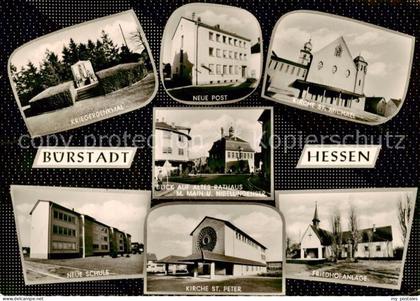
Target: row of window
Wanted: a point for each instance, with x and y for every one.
(239, 155)
(59, 245)
(226, 40)
(253, 268)
(103, 247)
(168, 150)
(246, 240)
(227, 54)
(59, 230)
(64, 217)
(224, 69)
(287, 68)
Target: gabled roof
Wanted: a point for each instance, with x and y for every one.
(210, 256)
(95, 220)
(230, 225)
(233, 143)
(380, 234)
(325, 237)
(161, 125)
(339, 39)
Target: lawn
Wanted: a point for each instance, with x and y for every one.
(377, 271)
(220, 179)
(127, 99)
(225, 285)
(231, 91)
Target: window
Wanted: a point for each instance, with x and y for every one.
(230, 69)
(230, 54)
(244, 56)
(211, 36)
(182, 41)
(236, 55)
(60, 230)
(360, 82)
(304, 73)
(167, 150)
(181, 151)
(378, 248)
(224, 69)
(55, 229)
(281, 66)
(218, 69)
(60, 215)
(95, 246)
(235, 42)
(320, 65)
(228, 154)
(211, 51)
(217, 37)
(218, 52)
(224, 39)
(55, 214)
(287, 68)
(180, 138)
(104, 247)
(347, 73)
(366, 248)
(293, 70)
(334, 69)
(105, 238)
(338, 50)
(236, 70)
(225, 53)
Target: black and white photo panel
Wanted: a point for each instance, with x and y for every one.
(213, 153)
(338, 67)
(74, 234)
(211, 54)
(83, 74)
(214, 249)
(357, 236)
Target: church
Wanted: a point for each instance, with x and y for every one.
(231, 154)
(221, 248)
(316, 243)
(329, 76)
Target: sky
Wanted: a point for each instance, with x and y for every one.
(169, 227)
(205, 127)
(388, 54)
(35, 51)
(379, 208)
(124, 209)
(229, 18)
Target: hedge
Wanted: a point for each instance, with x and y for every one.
(120, 76)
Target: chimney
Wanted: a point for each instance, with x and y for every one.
(221, 132)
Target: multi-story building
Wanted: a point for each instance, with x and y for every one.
(231, 154)
(171, 149)
(205, 54)
(58, 232)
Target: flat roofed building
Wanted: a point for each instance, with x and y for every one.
(59, 232)
(205, 54)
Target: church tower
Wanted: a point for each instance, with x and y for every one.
(361, 69)
(231, 131)
(315, 220)
(305, 55)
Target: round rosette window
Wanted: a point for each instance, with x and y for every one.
(207, 239)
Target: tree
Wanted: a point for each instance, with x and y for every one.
(404, 213)
(354, 232)
(109, 49)
(337, 235)
(137, 38)
(51, 69)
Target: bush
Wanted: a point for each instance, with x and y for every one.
(120, 76)
(53, 98)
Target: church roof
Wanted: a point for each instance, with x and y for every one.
(211, 256)
(325, 237)
(230, 225)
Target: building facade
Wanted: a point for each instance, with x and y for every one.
(171, 149)
(203, 54)
(231, 154)
(375, 242)
(265, 144)
(329, 76)
(221, 248)
(59, 232)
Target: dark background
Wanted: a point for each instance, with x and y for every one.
(21, 22)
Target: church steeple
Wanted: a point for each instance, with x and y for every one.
(315, 220)
(305, 55)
